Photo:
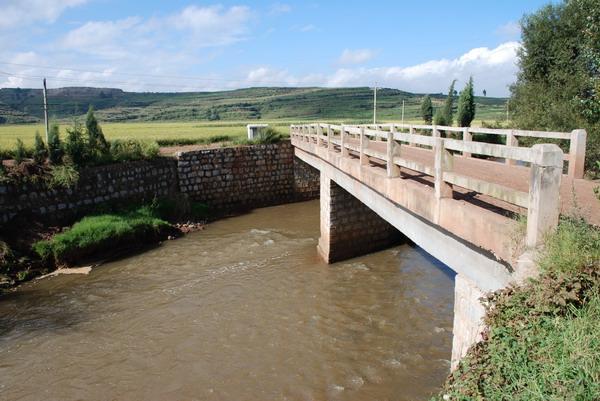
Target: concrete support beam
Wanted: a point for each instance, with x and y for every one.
(544, 192)
(442, 162)
(364, 143)
(577, 153)
(329, 138)
(468, 318)
(467, 137)
(348, 227)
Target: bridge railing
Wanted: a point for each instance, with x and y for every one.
(576, 138)
(545, 161)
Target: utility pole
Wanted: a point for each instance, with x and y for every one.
(46, 110)
(375, 104)
(402, 112)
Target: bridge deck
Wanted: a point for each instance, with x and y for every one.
(577, 195)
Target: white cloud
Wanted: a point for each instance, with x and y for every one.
(510, 30)
(213, 25)
(492, 69)
(15, 13)
(279, 8)
(307, 28)
(357, 56)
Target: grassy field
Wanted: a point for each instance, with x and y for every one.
(157, 130)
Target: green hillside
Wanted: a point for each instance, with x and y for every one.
(115, 105)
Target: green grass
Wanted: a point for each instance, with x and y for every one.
(101, 233)
(543, 341)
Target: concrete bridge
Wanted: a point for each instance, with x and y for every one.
(433, 185)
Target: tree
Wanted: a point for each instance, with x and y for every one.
(97, 144)
(75, 146)
(55, 149)
(448, 111)
(484, 93)
(40, 152)
(466, 105)
(558, 85)
(20, 153)
(439, 118)
(427, 109)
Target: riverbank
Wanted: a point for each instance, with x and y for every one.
(33, 249)
(542, 340)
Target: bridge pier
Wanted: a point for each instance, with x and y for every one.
(348, 227)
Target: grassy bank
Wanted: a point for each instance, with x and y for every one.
(98, 234)
(542, 341)
(35, 249)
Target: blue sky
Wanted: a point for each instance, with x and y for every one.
(181, 45)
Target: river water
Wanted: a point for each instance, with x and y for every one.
(243, 310)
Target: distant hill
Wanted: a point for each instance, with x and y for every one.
(26, 105)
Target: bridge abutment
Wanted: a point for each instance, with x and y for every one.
(468, 317)
(348, 227)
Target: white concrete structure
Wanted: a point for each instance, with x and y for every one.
(475, 241)
(254, 130)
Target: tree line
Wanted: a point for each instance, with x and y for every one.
(445, 115)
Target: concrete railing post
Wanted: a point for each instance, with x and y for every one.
(467, 137)
(343, 148)
(511, 140)
(319, 135)
(441, 164)
(364, 143)
(329, 138)
(577, 153)
(544, 192)
(392, 150)
(412, 131)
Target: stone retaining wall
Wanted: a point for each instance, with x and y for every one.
(117, 183)
(238, 178)
(227, 179)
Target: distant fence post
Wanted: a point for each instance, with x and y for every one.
(544, 192)
(511, 140)
(467, 137)
(392, 150)
(577, 153)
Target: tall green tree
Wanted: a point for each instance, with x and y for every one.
(55, 148)
(97, 143)
(427, 109)
(558, 85)
(448, 110)
(466, 105)
(40, 152)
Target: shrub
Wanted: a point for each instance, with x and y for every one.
(63, 176)
(101, 233)
(439, 118)
(40, 152)
(193, 141)
(55, 149)
(20, 153)
(268, 135)
(125, 150)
